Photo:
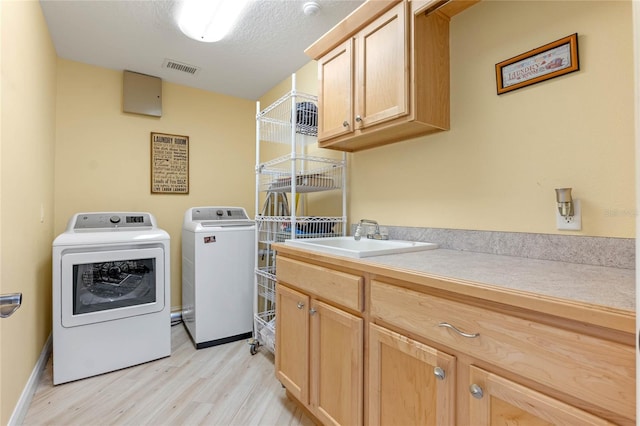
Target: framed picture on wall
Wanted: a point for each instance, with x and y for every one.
(551, 60)
(169, 164)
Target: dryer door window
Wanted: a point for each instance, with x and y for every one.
(99, 286)
(108, 285)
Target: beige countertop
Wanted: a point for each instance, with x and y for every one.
(611, 287)
(598, 295)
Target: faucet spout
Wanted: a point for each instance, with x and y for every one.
(358, 234)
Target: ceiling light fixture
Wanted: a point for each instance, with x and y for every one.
(310, 8)
(209, 20)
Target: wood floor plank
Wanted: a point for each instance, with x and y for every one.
(221, 385)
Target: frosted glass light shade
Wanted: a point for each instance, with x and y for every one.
(209, 20)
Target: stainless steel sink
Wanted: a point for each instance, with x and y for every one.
(348, 246)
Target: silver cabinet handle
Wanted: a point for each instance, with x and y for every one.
(460, 332)
(345, 123)
(9, 303)
(300, 305)
(439, 373)
(312, 311)
(476, 391)
(358, 118)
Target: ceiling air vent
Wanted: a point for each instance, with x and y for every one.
(179, 66)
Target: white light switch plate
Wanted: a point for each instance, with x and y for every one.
(574, 223)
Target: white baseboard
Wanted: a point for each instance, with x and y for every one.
(20, 411)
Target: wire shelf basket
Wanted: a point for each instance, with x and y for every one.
(265, 329)
(277, 121)
(274, 229)
(266, 280)
(313, 174)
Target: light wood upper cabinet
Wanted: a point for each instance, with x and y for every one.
(335, 75)
(382, 82)
(383, 76)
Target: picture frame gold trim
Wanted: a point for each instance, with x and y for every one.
(169, 163)
(543, 63)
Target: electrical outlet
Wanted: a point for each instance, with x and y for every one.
(571, 223)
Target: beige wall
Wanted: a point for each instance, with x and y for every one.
(102, 154)
(27, 117)
(496, 169)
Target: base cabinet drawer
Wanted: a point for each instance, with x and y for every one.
(596, 371)
(337, 287)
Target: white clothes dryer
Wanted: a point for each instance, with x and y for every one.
(111, 294)
(218, 258)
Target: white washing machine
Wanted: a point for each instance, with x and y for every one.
(217, 274)
(111, 294)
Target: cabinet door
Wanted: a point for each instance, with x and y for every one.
(292, 341)
(405, 387)
(335, 96)
(336, 365)
(498, 401)
(383, 69)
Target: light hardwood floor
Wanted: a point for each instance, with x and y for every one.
(221, 385)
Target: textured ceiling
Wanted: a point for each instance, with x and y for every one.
(267, 45)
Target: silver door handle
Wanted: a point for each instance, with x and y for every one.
(476, 391)
(9, 303)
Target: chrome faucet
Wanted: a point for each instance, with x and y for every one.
(376, 234)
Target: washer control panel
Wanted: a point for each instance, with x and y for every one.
(218, 213)
(112, 221)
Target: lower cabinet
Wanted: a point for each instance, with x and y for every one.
(410, 383)
(531, 373)
(422, 356)
(319, 356)
(498, 401)
(292, 342)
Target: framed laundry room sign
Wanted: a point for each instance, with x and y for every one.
(551, 60)
(169, 164)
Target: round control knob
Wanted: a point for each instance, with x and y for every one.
(114, 219)
(219, 212)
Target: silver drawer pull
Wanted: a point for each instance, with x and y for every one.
(312, 311)
(439, 373)
(460, 332)
(300, 305)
